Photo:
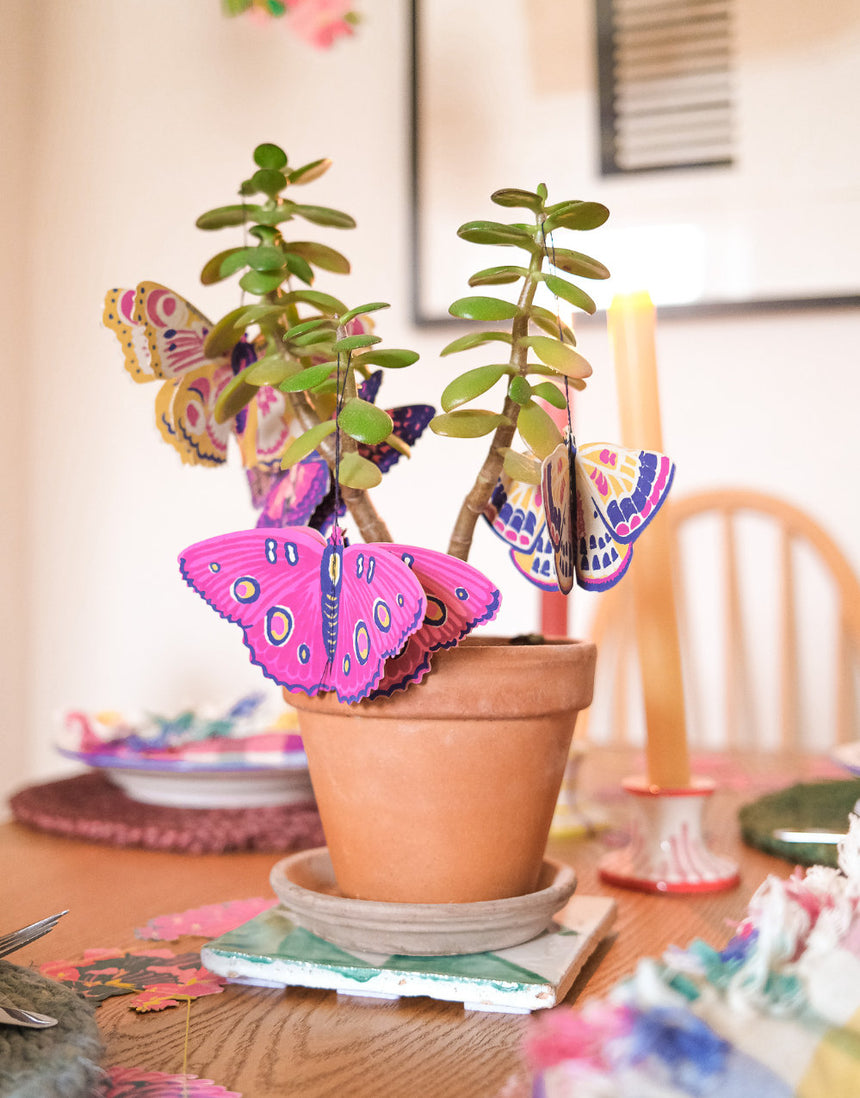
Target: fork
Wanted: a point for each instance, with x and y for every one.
(11, 1015)
(17, 939)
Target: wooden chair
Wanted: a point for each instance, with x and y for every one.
(769, 625)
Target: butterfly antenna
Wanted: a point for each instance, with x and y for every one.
(549, 248)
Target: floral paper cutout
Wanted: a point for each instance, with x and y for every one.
(123, 1082)
(209, 921)
(103, 973)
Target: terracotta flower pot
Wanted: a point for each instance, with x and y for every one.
(444, 793)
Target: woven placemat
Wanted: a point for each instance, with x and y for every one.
(42, 1063)
(89, 806)
(822, 805)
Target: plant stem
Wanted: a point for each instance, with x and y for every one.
(476, 501)
(361, 508)
(358, 503)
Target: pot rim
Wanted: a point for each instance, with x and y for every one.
(570, 685)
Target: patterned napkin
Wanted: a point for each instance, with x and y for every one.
(776, 1014)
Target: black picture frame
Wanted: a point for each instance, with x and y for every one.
(425, 317)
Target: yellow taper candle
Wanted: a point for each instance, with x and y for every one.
(632, 333)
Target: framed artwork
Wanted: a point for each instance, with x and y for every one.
(756, 203)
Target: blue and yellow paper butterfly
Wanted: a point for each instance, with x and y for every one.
(598, 498)
(580, 522)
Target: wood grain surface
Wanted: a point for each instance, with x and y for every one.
(267, 1042)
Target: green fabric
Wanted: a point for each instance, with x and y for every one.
(60, 1062)
(822, 805)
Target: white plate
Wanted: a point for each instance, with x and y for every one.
(184, 779)
(245, 788)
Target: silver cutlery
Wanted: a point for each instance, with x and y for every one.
(10, 1014)
(17, 939)
(810, 835)
(27, 1019)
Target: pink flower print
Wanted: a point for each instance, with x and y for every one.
(320, 22)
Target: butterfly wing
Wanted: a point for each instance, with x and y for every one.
(626, 487)
(185, 414)
(459, 598)
(119, 316)
(315, 616)
(556, 485)
(538, 564)
(409, 421)
(381, 604)
(292, 496)
(600, 560)
(270, 586)
(174, 331)
(369, 388)
(515, 513)
(271, 419)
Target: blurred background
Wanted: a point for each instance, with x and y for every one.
(123, 121)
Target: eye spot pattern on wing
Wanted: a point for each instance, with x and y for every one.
(279, 625)
(245, 589)
(382, 614)
(361, 642)
(437, 612)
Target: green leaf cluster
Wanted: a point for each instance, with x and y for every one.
(541, 348)
(307, 343)
(269, 260)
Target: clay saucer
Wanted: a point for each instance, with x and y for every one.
(306, 886)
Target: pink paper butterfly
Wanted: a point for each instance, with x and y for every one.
(598, 499)
(459, 597)
(162, 336)
(318, 615)
(290, 497)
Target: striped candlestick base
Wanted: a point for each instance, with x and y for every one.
(667, 852)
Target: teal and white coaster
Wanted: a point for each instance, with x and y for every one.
(273, 951)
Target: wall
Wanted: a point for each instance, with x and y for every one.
(126, 121)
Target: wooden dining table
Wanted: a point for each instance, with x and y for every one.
(266, 1042)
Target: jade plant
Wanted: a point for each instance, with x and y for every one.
(318, 351)
(293, 375)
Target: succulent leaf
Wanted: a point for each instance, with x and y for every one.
(513, 196)
(483, 308)
(471, 384)
(306, 444)
(365, 422)
(475, 339)
(357, 472)
(467, 423)
(537, 430)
